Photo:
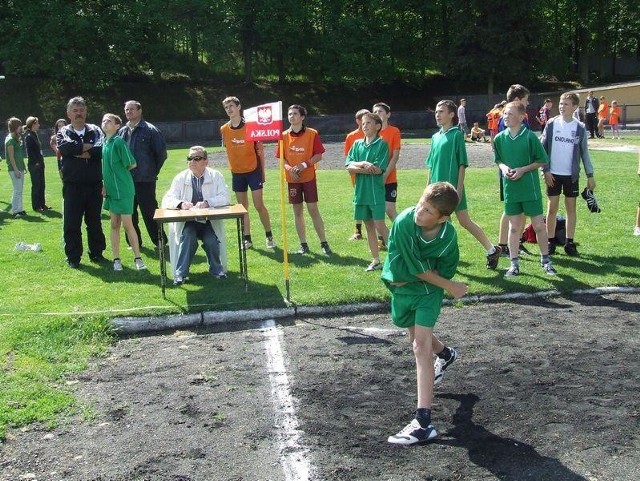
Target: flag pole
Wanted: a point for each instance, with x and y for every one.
(283, 219)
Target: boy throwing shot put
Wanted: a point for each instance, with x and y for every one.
(519, 154)
(565, 141)
(447, 162)
(423, 257)
(367, 160)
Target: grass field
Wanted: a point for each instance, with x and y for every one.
(52, 318)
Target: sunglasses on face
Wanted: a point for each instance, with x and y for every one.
(195, 158)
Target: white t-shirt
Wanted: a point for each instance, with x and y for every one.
(565, 136)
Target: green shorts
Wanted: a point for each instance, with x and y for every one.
(462, 205)
(531, 208)
(410, 310)
(368, 212)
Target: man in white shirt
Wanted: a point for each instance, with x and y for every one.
(198, 187)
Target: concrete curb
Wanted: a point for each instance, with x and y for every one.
(142, 325)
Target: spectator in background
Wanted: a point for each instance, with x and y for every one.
(35, 162)
(14, 151)
(150, 151)
(391, 135)
(80, 145)
(614, 119)
(477, 133)
(52, 142)
(603, 113)
(302, 149)
(544, 114)
(462, 118)
(348, 142)
(591, 112)
(246, 161)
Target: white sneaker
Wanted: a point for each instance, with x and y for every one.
(440, 365)
(21, 246)
(413, 433)
(636, 231)
(139, 264)
(246, 244)
(117, 265)
(271, 244)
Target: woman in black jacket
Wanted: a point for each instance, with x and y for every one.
(35, 164)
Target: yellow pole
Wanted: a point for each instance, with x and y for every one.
(283, 195)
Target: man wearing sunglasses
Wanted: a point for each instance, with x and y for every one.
(198, 187)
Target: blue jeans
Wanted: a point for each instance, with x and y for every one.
(189, 244)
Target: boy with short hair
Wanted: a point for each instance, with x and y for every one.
(302, 149)
(519, 94)
(519, 154)
(246, 162)
(367, 160)
(477, 133)
(447, 162)
(565, 141)
(423, 257)
(348, 143)
(391, 136)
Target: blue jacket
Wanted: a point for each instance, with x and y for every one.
(149, 149)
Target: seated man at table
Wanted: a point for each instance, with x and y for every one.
(198, 187)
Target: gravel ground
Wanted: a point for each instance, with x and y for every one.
(544, 390)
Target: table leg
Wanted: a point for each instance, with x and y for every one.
(163, 266)
(243, 253)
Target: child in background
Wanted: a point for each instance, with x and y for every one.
(367, 160)
(423, 257)
(603, 113)
(348, 143)
(519, 154)
(447, 162)
(118, 189)
(14, 150)
(614, 119)
(54, 144)
(477, 134)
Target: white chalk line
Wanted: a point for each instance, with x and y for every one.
(293, 456)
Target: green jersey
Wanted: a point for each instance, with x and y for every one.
(117, 161)
(446, 156)
(519, 151)
(18, 153)
(409, 254)
(369, 189)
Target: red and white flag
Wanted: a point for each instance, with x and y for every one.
(264, 122)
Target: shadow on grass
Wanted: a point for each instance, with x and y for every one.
(506, 458)
(594, 266)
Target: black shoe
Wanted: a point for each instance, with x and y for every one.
(552, 248)
(492, 259)
(570, 249)
(73, 265)
(304, 249)
(97, 258)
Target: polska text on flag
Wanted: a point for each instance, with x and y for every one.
(264, 122)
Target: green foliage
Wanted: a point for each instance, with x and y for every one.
(91, 45)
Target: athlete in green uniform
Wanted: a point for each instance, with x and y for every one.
(519, 154)
(422, 258)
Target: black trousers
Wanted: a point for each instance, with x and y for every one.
(36, 171)
(145, 199)
(592, 124)
(82, 200)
